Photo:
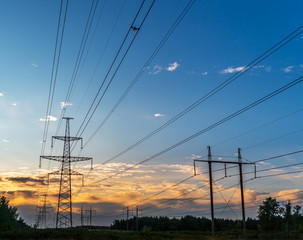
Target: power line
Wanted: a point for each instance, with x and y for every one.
(110, 68)
(85, 35)
(272, 175)
(100, 58)
(147, 63)
(275, 138)
(55, 66)
(228, 81)
(218, 123)
(256, 128)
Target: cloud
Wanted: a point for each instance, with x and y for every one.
(24, 180)
(49, 118)
(159, 115)
(288, 69)
(6, 141)
(157, 69)
(232, 70)
(259, 66)
(14, 104)
(172, 66)
(204, 73)
(1, 94)
(194, 156)
(34, 65)
(65, 104)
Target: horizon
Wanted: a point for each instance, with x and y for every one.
(155, 117)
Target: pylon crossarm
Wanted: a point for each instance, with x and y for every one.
(79, 174)
(66, 138)
(72, 159)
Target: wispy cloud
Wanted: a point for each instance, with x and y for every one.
(259, 66)
(172, 66)
(14, 104)
(157, 69)
(49, 118)
(194, 156)
(6, 141)
(232, 70)
(159, 115)
(34, 65)
(288, 69)
(204, 73)
(65, 104)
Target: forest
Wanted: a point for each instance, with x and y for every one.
(274, 221)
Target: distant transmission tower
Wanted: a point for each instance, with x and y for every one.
(64, 210)
(42, 212)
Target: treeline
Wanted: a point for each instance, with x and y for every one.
(186, 223)
(271, 216)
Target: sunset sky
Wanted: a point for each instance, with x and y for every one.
(214, 41)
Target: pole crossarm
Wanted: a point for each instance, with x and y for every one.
(215, 161)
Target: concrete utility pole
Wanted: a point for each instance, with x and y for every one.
(64, 210)
(240, 163)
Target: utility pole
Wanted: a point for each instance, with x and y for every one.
(137, 218)
(211, 193)
(64, 209)
(127, 216)
(242, 194)
(90, 216)
(240, 163)
(81, 216)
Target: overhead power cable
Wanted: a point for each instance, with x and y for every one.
(260, 160)
(54, 72)
(228, 81)
(271, 175)
(82, 129)
(203, 186)
(144, 67)
(100, 58)
(256, 128)
(234, 205)
(262, 170)
(84, 39)
(218, 123)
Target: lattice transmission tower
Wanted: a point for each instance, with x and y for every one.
(64, 209)
(42, 212)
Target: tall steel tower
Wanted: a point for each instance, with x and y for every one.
(42, 212)
(64, 210)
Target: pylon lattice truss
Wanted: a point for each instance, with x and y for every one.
(64, 209)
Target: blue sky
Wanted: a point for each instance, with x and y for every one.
(215, 40)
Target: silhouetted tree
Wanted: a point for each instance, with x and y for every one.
(9, 218)
(269, 214)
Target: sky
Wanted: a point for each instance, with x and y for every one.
(214, 41)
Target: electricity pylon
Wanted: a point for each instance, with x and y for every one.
(42, 212)
(64, 209)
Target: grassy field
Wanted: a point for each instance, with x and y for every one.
(79, 234)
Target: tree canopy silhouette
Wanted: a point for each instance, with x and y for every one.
(9, 217)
